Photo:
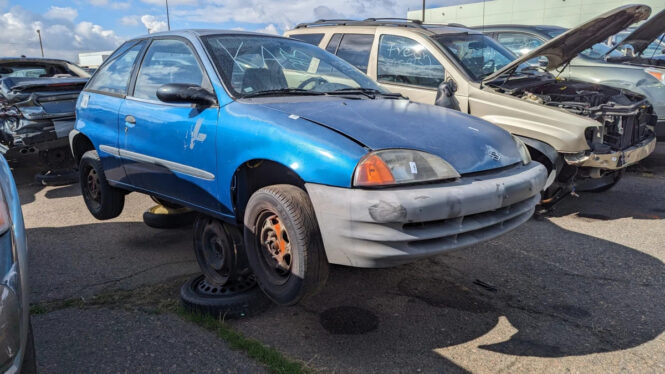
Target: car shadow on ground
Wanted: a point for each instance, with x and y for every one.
(569, 297)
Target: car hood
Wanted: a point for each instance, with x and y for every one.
(645, 34)
(566, 46)
(468, 143)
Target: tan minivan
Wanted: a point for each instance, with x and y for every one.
(585, 134)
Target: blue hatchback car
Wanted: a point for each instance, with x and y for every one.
(294, 158)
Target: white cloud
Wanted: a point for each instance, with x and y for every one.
(171, 2)
(62, 37)
(270, 29)
(153, 24)
(118, 5)
(130, 20)
(285, 14)
(56, 12)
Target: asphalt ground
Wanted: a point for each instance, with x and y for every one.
(577, 289)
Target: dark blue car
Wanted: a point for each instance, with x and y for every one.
(293, 157)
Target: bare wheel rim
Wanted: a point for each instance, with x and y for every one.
(218, 260)
(92, 187)
(274, 245)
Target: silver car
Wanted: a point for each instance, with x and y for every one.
(597, 64)
(17, 353)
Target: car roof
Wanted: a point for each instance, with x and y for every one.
(323, 26)
(202, 32)
(519, 27)
(32, 59)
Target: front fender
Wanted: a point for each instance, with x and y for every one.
(315, 153)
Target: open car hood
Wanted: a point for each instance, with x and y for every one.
(645, 34)
(566, 46)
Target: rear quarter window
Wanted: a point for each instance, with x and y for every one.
(313, 39)
(355, 49)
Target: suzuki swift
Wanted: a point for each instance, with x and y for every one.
(293, 157)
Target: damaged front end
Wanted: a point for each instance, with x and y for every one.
(36, 114)
(627, 121)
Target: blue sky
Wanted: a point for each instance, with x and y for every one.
(72, 26)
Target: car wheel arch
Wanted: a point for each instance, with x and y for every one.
(80, 144)
(255, 174)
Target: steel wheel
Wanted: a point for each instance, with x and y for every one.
(219, 253)
(92, 187)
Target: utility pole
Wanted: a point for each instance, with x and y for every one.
(168, 20)
(423, 11)
(40, 42)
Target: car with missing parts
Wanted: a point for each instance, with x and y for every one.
(293, 157)
(598, 64)
(586, 134)
(37, 102)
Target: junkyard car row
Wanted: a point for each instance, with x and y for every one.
(367, 143)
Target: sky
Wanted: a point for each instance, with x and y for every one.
(69, 27)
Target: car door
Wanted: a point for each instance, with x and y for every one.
(170, 149)
(99, 103)
(406, 66)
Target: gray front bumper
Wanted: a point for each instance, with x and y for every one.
(388, 227)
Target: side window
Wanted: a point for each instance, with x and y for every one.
(114, 76)
(333, 43)
(168, 61)
(404, 60)
(313, 39)
(519, 43)
(355, 49)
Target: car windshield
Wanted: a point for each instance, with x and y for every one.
(596, 52)
(40, 70)
(254, 65)
(478, 54)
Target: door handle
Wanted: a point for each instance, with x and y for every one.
(130, 121)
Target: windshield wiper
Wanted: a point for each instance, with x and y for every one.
(369, 92)
(283, 92)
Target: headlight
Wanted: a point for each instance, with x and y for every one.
(399, 166)
(524, 151)
(656, 73)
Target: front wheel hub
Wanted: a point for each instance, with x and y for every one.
(276, 245)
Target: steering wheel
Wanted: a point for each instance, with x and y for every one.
(316, 80)
(489, 65)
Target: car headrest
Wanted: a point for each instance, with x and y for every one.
(263, 79)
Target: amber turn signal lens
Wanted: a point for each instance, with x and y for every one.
(373, 171)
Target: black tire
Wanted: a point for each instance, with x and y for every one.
(29, 365)
(161, 217)
(289, 264)
(219, 250)
(165, 203)
(240, 298)
(61, 177)
(103, 201)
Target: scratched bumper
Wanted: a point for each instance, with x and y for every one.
(616, 160)
(388, 227)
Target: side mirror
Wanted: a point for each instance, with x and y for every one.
(185, 93)
(445, 95)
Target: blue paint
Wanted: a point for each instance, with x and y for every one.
(320, 138)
